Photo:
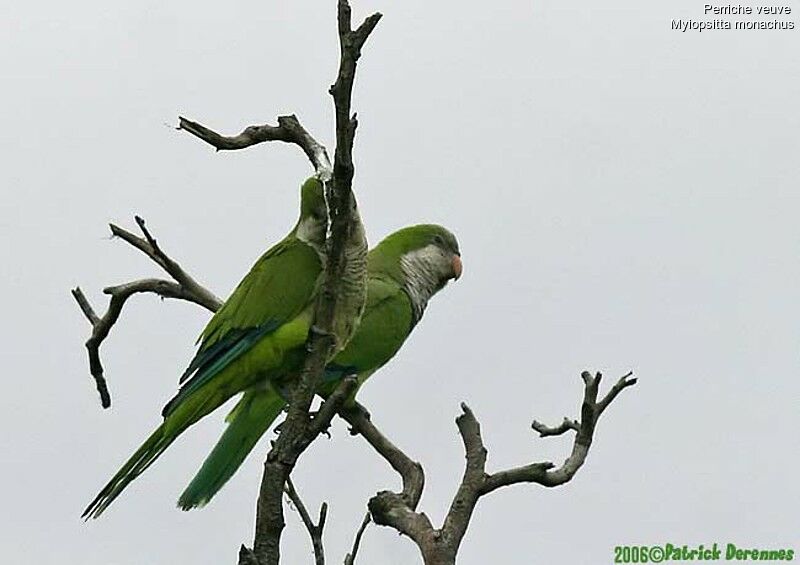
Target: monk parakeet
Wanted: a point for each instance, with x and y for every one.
(257, 335)
(405, 270)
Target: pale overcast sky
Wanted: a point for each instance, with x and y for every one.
(625, 195)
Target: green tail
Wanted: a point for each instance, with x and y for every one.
(184, 415)
(135, 466)
(248, 421)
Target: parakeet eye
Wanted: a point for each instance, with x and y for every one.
(438, 240)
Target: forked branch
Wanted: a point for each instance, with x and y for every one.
(184, 287)
(440, 546)
(314, 530)
(546, 473)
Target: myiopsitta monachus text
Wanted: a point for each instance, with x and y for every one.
(258, 334)
(405, 270)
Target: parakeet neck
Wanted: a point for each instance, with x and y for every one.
(312, 232)
(421, 281)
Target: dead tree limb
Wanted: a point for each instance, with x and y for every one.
(346, 236)
(314, 530)
(401, 506)
(410, 471)
(288, 130)
(546, 473)
(149, 246)
(184, 288)
(440, 546)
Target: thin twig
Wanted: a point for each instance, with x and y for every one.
(84, 305)
(350, 558)
(314, 530)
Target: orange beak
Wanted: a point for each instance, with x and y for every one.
(458, 266)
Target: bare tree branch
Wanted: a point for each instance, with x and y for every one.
(288, 130)
(546, 473)
(350, 44)
(149, 246)
(185, 288)
(440, 546)
(247, 556)
(350, 558)
(281, 460)
(84, 305)
(314, 530)
(460, 513)
(410, 471)
(345, 251)
(387, 508)
(564, 427)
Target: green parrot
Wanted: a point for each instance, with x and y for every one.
(258, 334)
(405, 270)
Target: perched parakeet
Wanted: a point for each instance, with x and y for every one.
(257, 335)
(405, 270)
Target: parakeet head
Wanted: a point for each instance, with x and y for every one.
(313, 222)
(421, 258)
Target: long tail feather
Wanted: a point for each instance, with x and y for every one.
(248, 421)
(178, 421)
(141, 460)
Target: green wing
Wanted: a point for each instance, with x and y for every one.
(278, 287)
